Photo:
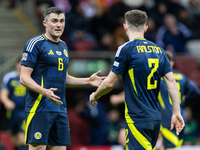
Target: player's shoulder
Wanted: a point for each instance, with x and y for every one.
(62, 42)
(125, 46)
(9, 75)
(33, 41)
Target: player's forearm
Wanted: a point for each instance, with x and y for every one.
(73, 81)
(173, 92)
(28, 82)
(103, 89)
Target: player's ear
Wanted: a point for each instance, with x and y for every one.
(125, 27)
(44, 23)
(146, 28)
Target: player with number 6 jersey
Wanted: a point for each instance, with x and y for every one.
(50, 63)
(44, 71)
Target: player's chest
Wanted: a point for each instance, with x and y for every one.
(54, 55)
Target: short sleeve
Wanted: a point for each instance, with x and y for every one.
(121, 60)
(30, 55)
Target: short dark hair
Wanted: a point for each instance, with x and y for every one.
(136, 17)
(169, 55)
(55, 10)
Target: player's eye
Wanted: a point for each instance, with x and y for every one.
(54, 21)
(62, 20)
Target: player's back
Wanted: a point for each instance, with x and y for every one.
(145, 63)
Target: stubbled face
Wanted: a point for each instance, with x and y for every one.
(55, 25)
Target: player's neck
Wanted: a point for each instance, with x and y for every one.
(134, 35)
(53, 39)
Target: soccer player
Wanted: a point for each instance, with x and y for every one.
(141, 64)
(13, 96)
(187, 91)
(44, 72)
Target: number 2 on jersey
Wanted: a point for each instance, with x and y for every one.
(152, 61)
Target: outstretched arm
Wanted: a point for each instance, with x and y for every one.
(177, 119)
(27, 81)
(106, 86)
(93, 80)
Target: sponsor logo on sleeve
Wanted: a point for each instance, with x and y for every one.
(116, 64)
(24, 56)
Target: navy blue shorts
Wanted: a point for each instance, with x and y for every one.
(16, 123)
(49, 128)
(142, 135)
(170, 139)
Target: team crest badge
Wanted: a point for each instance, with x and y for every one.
(38, 135)
(24, 56)
(65, 52)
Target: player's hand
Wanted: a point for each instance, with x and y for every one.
(9, 105)
(93, 101)
(178, 122)
(95, 80)
(52, 97)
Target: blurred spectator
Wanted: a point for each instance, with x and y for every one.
(148, 6)
(119, 37)
(100, 23)
(65, 5)
(115, 124)
(184, 17)
(78, 129)
(40, 7)
(159, 13)
(191, 131)
(97, 119)
(194, 12)
(106, 4)
(77, 28)
(116, 14)
(88, 7)
(106, 43)
(150, 34)
(13, 3)
(173, 7)
(173, 35)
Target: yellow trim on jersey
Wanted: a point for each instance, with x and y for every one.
(160, 99)
(139, 39)
(8, 113)
(171, 137)
(44, 36)
(139, 137)
(32, 111)
(131, 74)
(127, 117)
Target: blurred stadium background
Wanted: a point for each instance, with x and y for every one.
(21, 20)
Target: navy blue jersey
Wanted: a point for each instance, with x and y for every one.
(17, 93)
(141, 64)
(186, 88)
(50, 63)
